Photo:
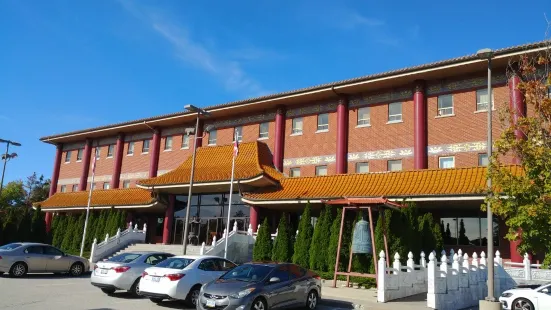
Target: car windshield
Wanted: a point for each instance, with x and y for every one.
(10, 246)
(248, 273)
(124, 258)
(175, 263)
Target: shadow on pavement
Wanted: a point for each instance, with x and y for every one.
(333, 303)
(418, 297)
(174, 304)
(47, 276)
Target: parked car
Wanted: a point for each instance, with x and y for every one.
(22, 257)
(527, 298)
(181, 277)
(262, 286)
(124, 271)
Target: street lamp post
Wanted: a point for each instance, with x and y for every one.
(199, 112)
(6, 157)
(490, 303)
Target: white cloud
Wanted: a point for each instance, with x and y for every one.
(195, 53)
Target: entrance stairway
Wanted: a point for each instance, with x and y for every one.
(175, 249)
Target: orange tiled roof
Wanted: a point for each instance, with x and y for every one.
(108, 197)
(213, 164)
(440, 182)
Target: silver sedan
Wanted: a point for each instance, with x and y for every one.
(124, 271)
(18, 259)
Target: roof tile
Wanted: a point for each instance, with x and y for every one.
(100, 198)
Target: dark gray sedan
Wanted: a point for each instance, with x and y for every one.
(262, 286)
(19, 258)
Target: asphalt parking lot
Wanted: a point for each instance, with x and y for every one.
(47, 291)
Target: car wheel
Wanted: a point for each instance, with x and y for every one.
(259, 304)
(193, 296)
(77, 269)
(108, 291)
(18, 270)
(1, 273)
(522, 304)
(135, 289)
(156, 300)
(312, 300)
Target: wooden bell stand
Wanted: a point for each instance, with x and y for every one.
(377, 204)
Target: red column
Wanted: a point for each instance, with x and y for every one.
(342, 136)
(253, 217)
(85, 165)
(119, 149)
(279, 139)
(518, 109)
(199, 135)
(154, 151)
(169, 218)
(53, 183)
(420, 143)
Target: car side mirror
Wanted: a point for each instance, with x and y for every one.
(545, 290)
(274, 280)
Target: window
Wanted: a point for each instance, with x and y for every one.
(49, 250)
(75, 188)
(294, 172)
(445, 105)
(297, 126)
(364, 117)
(110, 150)
(446, 162)
(208, 265)
(483, 160)
(185, 141)
(63, 188)
(323, 122)
(212, 137)
(155, 259)
(79, 154)
(482, 100)
(321, 170)
(394, 165)
(93, 186)
(263, 130)
(106, 185)
(362, 167)
(68, 156)
(130, 150)
(168, 143)
(35, 249)
(145, 146)
(126, 184)
(395, 112)
(467, 231)
(224, 265)
(98, 152)
(282, 273)
(238, 133)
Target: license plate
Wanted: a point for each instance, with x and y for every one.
(104, 271)
(211, 303)
(155, 279)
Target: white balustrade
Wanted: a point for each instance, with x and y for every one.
(115, 243)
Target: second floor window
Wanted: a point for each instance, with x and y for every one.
(395, 112)
(126, 184)
(130, 150)
(483, 160)
(323, 122)
(212, 137)
(446, 162)
(98, 152)
(68, 156)
(294, 172)
(185, 141)
(93, 186)
(106, 185)
(238, 133)
(110, 150)
(482, 100)
(75, 188)
(263, 130)
(362, 167)
(79, 154)
(394, 165)
(364, 117)
(145, 146)
(63, 188)
(445, 105)
(296, 126)
(321, 170)
(168, 143)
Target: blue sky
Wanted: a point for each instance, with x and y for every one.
(68, 65)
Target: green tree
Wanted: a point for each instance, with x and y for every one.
(101, 228)
(60, 230)
(122, 220)
(66, 243)
(13, 195)
(37, 189)
(262, 250)
(334, 241)
(282, 246)
(39, 226)
(301, 253)
(78, 231)
(25, 226)
(315, 255)
(91, 230)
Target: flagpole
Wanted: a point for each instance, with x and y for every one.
(88, 205)
(235, 152)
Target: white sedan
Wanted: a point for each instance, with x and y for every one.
(527, 298)
(181, 277)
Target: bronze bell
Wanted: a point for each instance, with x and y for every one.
(361, 239)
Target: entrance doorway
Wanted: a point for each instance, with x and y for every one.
(204, 229)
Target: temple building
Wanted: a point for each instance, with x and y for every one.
(415, 134)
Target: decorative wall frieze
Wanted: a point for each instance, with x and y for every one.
(323, 107)
(73, 146)
(264, 117)
(388, 96)
(134, 175)
(100, 178)
(388, 154)
(446, 86)
(105, 141)
(139, 136)
(68, 181)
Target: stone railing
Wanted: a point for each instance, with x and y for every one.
(117, 242)
(240, 245)
(527, 272)
(401, 281)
